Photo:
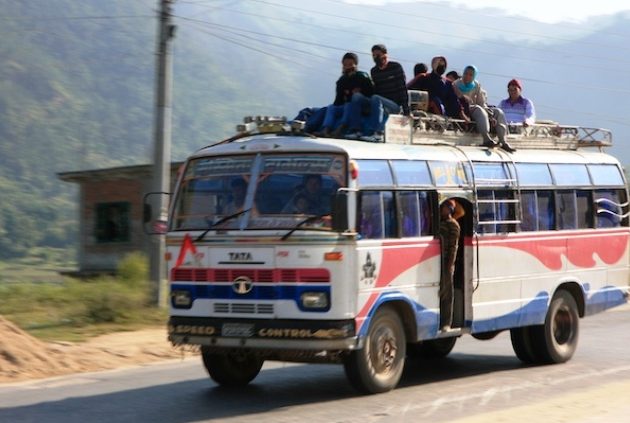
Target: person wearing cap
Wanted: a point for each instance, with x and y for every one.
(470, 93)
(390, 96)
(442, 98)
(449, 241)
(351, 81)
(518, 109)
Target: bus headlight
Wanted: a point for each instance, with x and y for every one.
(314, 300)
(181, 298)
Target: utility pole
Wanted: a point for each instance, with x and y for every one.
(162, 152)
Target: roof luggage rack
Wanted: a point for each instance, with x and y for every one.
(427, 128)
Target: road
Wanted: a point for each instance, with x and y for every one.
(481, 381)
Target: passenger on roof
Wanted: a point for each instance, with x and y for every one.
(420, 69)
(472, 96)
(452, 76)
(518, 109)
(351, 81)
(442, 98)
(390, 96)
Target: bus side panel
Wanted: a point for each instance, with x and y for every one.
(595, 260)
(408, 271)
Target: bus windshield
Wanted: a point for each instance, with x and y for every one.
(276, 191)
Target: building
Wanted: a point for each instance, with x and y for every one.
(111, 214)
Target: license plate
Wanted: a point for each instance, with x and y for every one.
(237, 330)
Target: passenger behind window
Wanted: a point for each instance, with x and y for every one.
(311, 190)
(371, 222)
(236, 199)
(546, 212)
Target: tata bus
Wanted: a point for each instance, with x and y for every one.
(355, 280)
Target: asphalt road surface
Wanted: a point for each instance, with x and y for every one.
(480, 381)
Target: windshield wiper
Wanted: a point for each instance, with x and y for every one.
(220, 221)
(303, 222)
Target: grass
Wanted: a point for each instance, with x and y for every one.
(66, 309)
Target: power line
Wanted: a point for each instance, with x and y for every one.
(284, 59)
(309, 53)
(382, 9)
(540, 81)
(413, 29)
(74, 18)
(372, 35)
(226, 28)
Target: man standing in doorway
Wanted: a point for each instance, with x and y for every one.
(449, 240)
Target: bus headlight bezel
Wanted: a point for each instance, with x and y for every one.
(315, 300)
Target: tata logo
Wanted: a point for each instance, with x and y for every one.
(238, 256)
(242, 285)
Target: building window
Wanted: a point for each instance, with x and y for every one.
(113, 222)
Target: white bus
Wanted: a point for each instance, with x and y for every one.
(353, 276)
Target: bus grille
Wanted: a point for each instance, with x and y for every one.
(243, 308)
(256, 275)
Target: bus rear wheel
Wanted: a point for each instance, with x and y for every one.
(231, 369)
(378, 366)
(557, 339)
(523, 344)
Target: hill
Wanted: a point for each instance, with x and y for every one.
(76, 88)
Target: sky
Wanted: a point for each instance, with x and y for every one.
(549, 11)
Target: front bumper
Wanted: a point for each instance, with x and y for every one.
(313, 335)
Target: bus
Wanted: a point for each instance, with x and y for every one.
(353, 276)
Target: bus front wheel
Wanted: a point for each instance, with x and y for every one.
(378, 366)
(231, 369)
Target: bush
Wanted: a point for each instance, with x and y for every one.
(134, 269)
(121, 299)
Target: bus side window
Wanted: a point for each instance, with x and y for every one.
(371, 215)
(409, 216)
(389, 215)
(486, 212)
(528, 204)
(426, 224)
(605, 219)
(546, 214)
(504, 210)
(566, 209)
(584, 209)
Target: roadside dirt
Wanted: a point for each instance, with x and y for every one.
(23, 357)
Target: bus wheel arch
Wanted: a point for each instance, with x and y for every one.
(378, 366)
(576, 291)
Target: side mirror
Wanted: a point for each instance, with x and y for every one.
(340, 211)
(153, 225)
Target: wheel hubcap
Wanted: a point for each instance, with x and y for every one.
(385, 351)
(563, 326)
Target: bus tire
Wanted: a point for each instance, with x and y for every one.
(378, 366)
(523, 344)
(231, 369)
(434, 348)
(556, 340)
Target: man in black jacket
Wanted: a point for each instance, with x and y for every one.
(351, 81)
(390, 95)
